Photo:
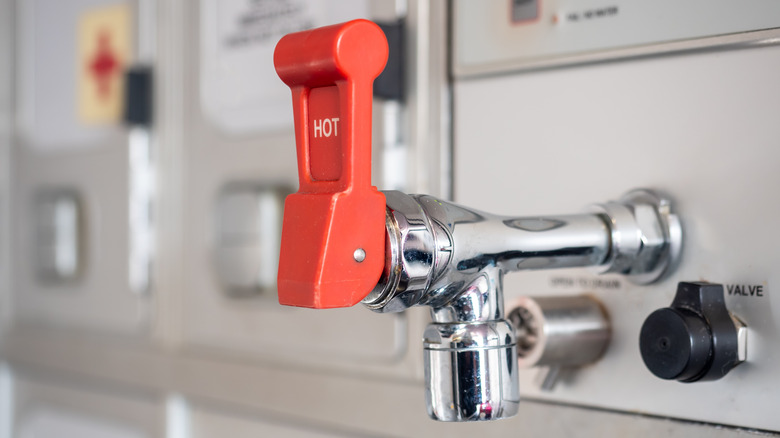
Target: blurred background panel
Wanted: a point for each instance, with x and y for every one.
(147, 147)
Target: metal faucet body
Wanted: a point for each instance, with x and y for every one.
(438, 254)
(453, 259)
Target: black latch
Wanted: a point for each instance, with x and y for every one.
(139, 96)
(390, 84)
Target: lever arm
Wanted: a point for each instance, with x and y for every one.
(333, 233)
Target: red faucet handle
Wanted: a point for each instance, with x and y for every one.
(333, 234)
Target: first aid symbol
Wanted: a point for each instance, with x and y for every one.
(104, 49)
(104, 65)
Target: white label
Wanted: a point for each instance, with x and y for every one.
(326, 127)
(240, 90)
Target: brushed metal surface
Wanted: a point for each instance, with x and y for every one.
(702, 127)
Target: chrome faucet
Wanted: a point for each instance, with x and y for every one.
(453, 259)
(344, 242)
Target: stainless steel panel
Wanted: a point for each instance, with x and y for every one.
(701, 127)
(488, 38)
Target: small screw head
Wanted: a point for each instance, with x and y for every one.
(359, 255)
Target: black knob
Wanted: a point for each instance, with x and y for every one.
(693, 339)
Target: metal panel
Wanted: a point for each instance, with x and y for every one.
(702, 127)
(248, 396)
(50, 410)
(208, 422)
(54, 151)
(534, 419)
(6, 117)
(490, 38)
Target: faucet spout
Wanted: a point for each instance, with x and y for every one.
(471, 370)
(470, 355)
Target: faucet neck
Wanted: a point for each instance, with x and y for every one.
(480, 300)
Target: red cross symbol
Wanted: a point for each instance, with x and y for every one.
(103, 65)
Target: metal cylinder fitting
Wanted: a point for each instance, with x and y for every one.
(471, 371)
(558, 333)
